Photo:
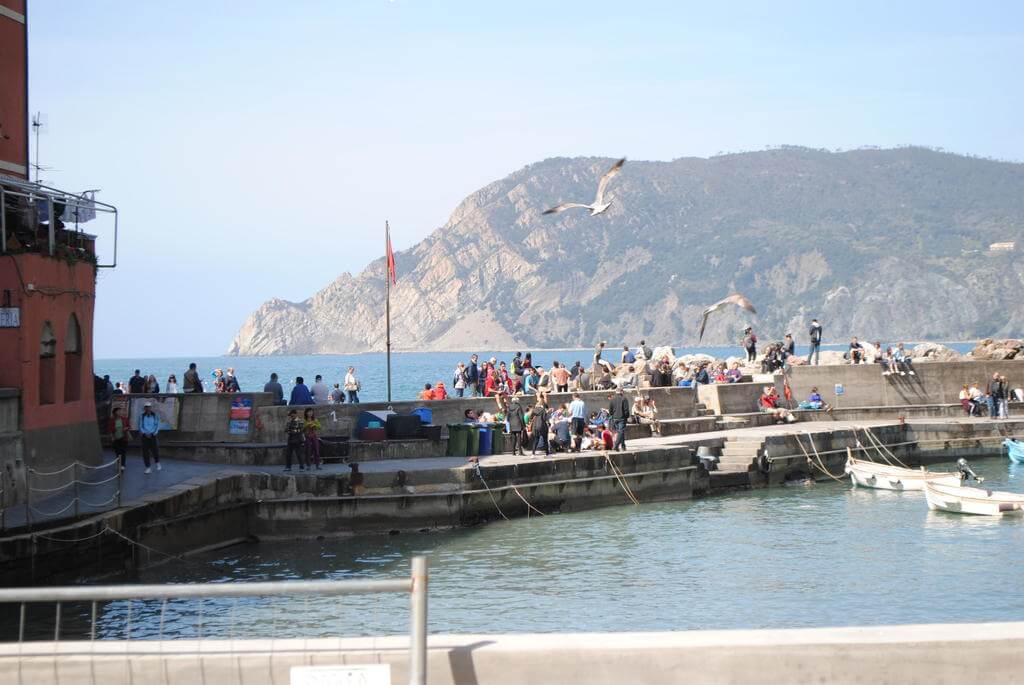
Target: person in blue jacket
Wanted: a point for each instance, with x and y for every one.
(149, 426)
(300, 393)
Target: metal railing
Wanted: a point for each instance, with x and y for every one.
(35, 195)
(416, 585)
(69, 492)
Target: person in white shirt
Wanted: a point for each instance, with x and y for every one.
(352, 385)
(172, 385)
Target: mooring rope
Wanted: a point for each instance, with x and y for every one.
(516, 490)
(879, 446)
(820, 463)
(480, 475)
(622, 479)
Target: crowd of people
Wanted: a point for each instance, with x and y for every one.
(567, 427)
(994, 400)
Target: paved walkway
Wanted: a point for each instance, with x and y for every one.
(138, 484)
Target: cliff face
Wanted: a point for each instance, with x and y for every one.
(878, 243)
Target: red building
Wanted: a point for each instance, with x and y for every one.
(47, 287)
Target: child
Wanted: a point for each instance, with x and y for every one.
(293, 429)
(311, 427)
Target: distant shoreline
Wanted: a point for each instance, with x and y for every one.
(523, 349)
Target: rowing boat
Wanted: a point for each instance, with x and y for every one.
(868, 474)
(1015, 448)
(963, 500)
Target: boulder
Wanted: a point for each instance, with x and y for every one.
(998, 349)
(831, 358)
(660, 352)
(691, 359)
(934, 352)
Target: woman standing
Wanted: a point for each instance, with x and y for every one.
(311, 428)
(539, 428)
(151, 385)
(172, 385)
(516, 425)
(119, 434)
(352, 385)
(218, 380)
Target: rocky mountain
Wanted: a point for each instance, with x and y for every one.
(889, 244)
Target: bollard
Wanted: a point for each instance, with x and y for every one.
(418, 627)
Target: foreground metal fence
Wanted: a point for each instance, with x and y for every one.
(416, 585)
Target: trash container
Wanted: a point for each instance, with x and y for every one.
(473, 440)
(497, 438)
(457, 435)
(485, 440)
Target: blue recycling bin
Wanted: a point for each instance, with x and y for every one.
(485, 441)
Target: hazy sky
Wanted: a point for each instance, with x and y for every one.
(254, 149)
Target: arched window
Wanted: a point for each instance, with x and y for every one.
(47, 364)
(73, 361)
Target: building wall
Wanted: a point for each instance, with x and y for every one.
(51, 290)
(13, 89)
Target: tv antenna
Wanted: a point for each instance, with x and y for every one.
(40, 125)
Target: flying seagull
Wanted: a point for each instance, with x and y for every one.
(735, 299)
(599, 204)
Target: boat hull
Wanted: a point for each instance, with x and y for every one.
(1015, 450)
(867, 474)
(960, 500)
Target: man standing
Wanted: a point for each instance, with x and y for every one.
(618, 411)
(578, 414)
(337, 394)
(192, 381)
(136, 384)
(272, 386)
(321, 393)
(815, 342)
(149, 426)
(750, 344)
(560, 374)
(516, 425)
(1004, 402)
(995, 396)
(473, 376)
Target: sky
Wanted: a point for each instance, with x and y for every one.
(254, 150)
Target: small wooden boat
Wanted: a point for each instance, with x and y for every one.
(868, 474)
(963, 500)
(1015, 448)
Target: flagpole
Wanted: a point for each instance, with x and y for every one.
(387, 300)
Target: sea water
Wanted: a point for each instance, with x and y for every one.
(814, 555)
(409, 370)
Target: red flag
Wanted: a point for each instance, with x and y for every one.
(392, 274)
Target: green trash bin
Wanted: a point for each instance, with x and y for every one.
(473, 441)
(457, 436)
(497, 438)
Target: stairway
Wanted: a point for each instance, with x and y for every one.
(702, 410)
(739, 453)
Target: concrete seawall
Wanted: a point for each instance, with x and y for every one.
(908, 655)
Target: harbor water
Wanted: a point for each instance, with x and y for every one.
(800, 556)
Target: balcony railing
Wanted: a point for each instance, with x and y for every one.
(38, 218)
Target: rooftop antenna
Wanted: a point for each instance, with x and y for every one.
(40, 124)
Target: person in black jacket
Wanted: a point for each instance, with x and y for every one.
(473, 376)
(815, 342)
(618, 411)
(516, 426)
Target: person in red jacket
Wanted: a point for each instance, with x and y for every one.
(439, 391)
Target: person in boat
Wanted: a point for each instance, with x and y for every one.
(966, 473)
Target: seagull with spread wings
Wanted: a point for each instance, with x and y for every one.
(599, 205)
(735, 299)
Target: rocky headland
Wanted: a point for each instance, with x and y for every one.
(884, 244)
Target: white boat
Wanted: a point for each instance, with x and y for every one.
(868, 474)
(972, 500)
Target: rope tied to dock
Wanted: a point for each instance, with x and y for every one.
(819, 463)
(527, 503)
(621, 478)
(879, 446)
(480, 475)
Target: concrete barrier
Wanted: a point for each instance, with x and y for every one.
(910, 655)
